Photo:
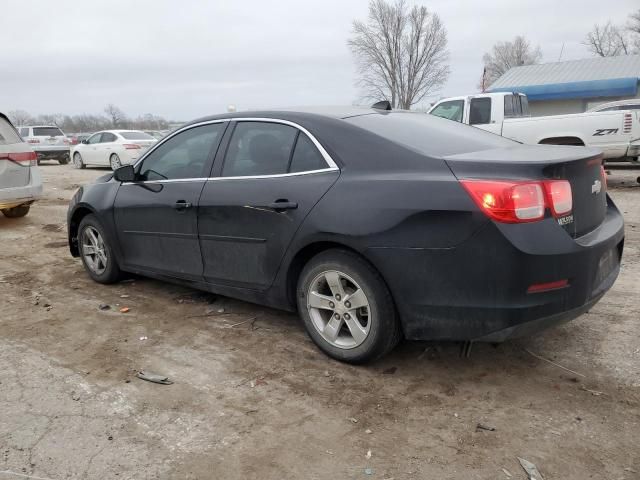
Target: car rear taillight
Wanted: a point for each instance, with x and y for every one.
(131, 146)
(66, 141)
(28, 158)
(508, 202)
(520, 202)
(559, 196)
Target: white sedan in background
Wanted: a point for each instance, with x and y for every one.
(112, 148)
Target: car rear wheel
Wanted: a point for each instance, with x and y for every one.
(63, 160)
(115, 162)
(77, 161)
(16, 212)
(96, 253)
(347, 308)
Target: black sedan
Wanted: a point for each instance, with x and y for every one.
(374, 225)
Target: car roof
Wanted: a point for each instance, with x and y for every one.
(295, 113)
(39, 126)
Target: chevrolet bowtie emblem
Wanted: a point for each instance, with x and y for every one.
(596, 187)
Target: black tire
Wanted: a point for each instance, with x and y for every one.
(16, 212)
(63, 160)
(77, 161)
(112, 272)
(384, 331)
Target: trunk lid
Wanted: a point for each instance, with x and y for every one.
(578, 165)
(12, 173)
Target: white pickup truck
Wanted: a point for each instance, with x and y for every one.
(615, 133)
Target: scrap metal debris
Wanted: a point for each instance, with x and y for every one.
(481, 426)
(154, 377)
(531, 469)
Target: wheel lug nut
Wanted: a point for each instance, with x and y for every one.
(332, 305)
(347, 316)
(338, 297)
(347, 304)
(337, 316)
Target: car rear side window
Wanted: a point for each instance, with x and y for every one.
(7, 134)
(259, 148)
(47, 132)
(306, 156)
(136, 135)
(183, 155)
(108, 137)
(480, 111)
(24, 132)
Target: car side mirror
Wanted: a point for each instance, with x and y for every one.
(126, 173)
(84, 141)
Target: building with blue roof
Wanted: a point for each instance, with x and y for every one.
(573, 86)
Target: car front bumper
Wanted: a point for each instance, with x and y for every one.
(25, 195)
(478, 290)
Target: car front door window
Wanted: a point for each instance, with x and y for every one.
(182, 156)
(450, 110)
(94, 139)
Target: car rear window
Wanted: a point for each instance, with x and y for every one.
(428, 134)
(136, 136)
(47, 132)
(7, 133)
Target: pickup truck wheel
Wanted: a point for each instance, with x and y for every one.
(63, 160)
(16, 212)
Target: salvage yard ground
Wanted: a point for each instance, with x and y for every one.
(254, 398)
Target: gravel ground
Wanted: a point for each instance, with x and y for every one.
(253, 397)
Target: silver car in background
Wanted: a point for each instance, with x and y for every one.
(48, 141)
(20, 181)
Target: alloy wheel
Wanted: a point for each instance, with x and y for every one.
(339, 309)
(77, 160)
(93, 250)
(115, 162)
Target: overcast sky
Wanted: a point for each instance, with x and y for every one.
(186, 58)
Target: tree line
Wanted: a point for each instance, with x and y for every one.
(111, 118)
(401, 52)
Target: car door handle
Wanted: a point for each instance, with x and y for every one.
(283, 205)
(182, 205)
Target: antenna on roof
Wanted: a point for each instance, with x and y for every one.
(382, 105)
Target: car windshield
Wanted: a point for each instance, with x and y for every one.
(47, 132)
(428, 134)
(136, 136)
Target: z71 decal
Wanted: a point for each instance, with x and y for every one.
(604, 131)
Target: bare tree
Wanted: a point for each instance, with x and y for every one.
(506, 55)
(117, 116)
(633, 27)
(20, 117)
(401, 53)
(607, 40)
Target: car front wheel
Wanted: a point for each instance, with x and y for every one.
(96, 252)
(347, 308)
(16, 212)
(77, 161)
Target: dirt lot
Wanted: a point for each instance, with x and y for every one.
(253, 397)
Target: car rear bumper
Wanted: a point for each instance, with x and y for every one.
(479, 290)
(27, 194)
(52, 151)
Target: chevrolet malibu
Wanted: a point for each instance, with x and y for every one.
(374, 225)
